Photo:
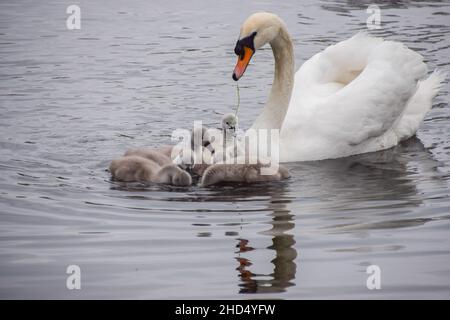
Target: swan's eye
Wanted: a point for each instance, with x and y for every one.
(239, 50)
(245, 42)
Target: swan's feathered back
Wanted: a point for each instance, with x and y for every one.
(353, 97)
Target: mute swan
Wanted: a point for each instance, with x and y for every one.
(360, 95)
(135, 168)
(246, 173)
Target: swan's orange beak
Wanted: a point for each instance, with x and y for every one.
(242, 63)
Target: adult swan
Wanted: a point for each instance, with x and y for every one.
(360, 95)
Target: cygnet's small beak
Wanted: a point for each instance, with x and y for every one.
(242, 63)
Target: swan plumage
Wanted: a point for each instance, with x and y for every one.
(360, 95)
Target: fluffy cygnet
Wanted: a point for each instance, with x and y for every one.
(229, 123)
(136, 168)
(151, 154)
(175, 152)
(192, 158)
(227, 148)
(246, 173)
(165, 150)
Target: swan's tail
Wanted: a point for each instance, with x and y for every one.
(420, 103)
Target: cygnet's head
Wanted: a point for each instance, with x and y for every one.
(181, 178)
(229, 123)
(173, 175)
(199, 139)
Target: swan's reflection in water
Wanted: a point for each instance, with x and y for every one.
(281, 220)
(373, 181)
(367, 192)
(284, 267)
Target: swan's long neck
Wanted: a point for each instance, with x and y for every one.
(273, 114)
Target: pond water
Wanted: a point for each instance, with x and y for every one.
(72, 100)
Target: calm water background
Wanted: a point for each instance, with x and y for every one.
(70, 101)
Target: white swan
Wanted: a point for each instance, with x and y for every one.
(360, 95)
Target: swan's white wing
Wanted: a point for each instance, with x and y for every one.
(420, 103)
(349, 94)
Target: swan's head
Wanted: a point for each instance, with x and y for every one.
(260, 28)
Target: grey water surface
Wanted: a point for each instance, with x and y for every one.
(72, 100)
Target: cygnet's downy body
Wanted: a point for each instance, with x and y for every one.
(243, 173)
(134, 168)
(159, 157)
(165, 150)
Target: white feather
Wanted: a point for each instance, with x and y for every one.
(361, 95)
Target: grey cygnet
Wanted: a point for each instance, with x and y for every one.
(246, 173)
(136, 168)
